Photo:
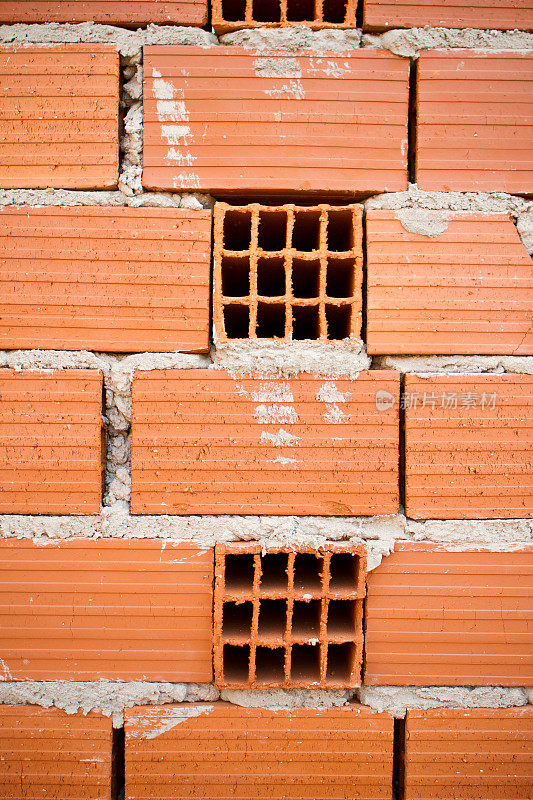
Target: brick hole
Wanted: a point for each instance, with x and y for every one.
(339, 321)
(306, 618)
(236, 321)
(341, 618)
(340, 231)
(271, 277)
(270, 665)
(272, 234)
(234, 10)
(334, 10)
(305, 278)
(308, 570)
(305, 322)
(300, 10)
(341, 662)
(274, 572)
(235, 276)
(305, 662)
(343, 572)
(306, 231)
(237, 619)
(237, 230)
(270, 321)
(239, 572)
(236, 661)
(272, 618)
(340, 277)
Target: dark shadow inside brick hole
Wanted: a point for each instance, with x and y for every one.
(341, 661)
(339, 319)
(270, 321)
(272, 618)
(236, 662)
(305, 278)
(340, 275)
(237, 619)
(341, 618)
(274, 572)
(343, 570)
(308, 570)
(237, 230)
(235, 276)
(306, 230)
(239, 571)
(269, 664)
(305, 322)
(334, 11)
(300, 10)
(233, 10)
(340, 230)
(271, 277)
(272, 232)
(236, 321)
(305, 662)
(306, 618)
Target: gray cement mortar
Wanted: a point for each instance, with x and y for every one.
(474, 202)
(294, 38)
(65, 197)
(396, 700)
(411, 41)
(426, 366)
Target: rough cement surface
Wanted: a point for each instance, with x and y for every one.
(287, 698)
(423, 222)
(463, 534)
(339, 359)
(432, 365)
(529, 693)
(399, 699)
(524, 226)
(294, 38)
(64, 197)
(410, 41)
(475, 202)
(109, 697)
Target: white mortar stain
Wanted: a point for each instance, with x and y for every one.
(275, 413)
(329, 393)
(280, 439)
(422, 222)
(154, 722)
(277, 67)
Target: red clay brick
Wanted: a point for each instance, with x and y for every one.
(207, 442)
(437, 617)
(224, 119)
(126, 12)
(218, 751)
(230, 15)
(379, 15)
(46, 753)
(123, 610)
(475, 121)
(59, 116)
(290, 618)
(469, 290)
(468, 446)
(51, 442)
(469, 753)
(111, 279)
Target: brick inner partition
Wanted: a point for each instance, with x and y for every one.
(288, 272)
(230, 15)
(290, 618)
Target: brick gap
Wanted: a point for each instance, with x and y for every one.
(401, 446)
(411, 122)
(308, 572)
(306, 618)
(233, 10)
(236, 321)
(305, 278)
(338, 321)
(272, 618)
(334, 11)
(270, 321)
(364, 283)
(341, 661)
(239, 572)
(305, 322)
(118, 767)
(306, 230)
(271, 277)
(398, 760)
(272, 231)
(237, 619)
(301, 11)
(305, 663)
(266, 10)
(359, 14)
(211, 268)
(269, 664)
(274, 572)
(236, 663)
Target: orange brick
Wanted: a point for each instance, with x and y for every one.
(126, 12)
(230, 15)
(469, 290)
(111, 279)
(379, 15)
(52, 442)
(251, 129)
(437, 617)
(207, 442)
(123, 610)
(221, 751)
(46, 753)
(475, 121)
(468, 446)
(469, 753)
(59, 117)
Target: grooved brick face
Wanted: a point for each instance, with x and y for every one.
(46, 753)
(229, 15)
(110, 279)
(122, 610)
(221, 750)
(207, 442)
(52, 442)
(468, 446)
(127, 12)
(231, 120)
(287, 272)
(469, 290)
(383, 14)
(474, 121)
(469, 753)
(59, 117)
(437, 617)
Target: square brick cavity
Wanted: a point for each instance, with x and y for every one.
(230, 15)
(288, 272)
(288, 618)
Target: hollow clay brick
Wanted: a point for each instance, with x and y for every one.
(468, 290)
(125, 12)
(490, 14)
(474, 121)
(210, 442)
(221, 751)
(231, 120)
(109, 279)
(59, 116)
(46, 753)
(230, 15)
(52, 442)
(122, 610)
(469, 753)
(287, 272)
(289, 618)
(437, 617)
(468, 446)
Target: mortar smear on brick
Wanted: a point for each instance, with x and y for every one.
(398, 699)
(409, 42)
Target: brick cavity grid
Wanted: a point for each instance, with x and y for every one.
(229, 15)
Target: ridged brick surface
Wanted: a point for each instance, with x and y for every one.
(52, 442)
(289, 617)
(46, 754)
(59, 116)
(437, 617)
(384, 14)
(123, 610)
(110, 279)
(127, 12)
(475, 121)
(207, 442)
(229, 15)
(469, 290)
(468, 446)
(222, 751)
(287, 272)
(232, 120)
(469, 753)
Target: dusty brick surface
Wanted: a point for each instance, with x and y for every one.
(228, 15)
(126, 12)
(490, 14)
